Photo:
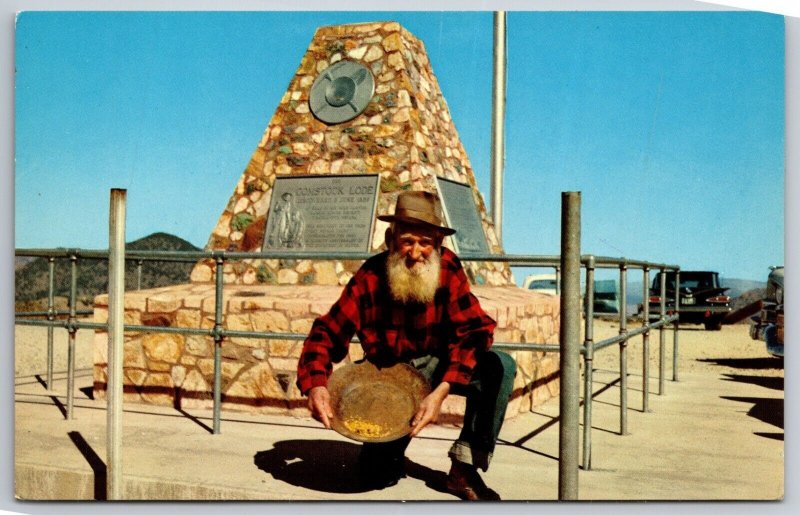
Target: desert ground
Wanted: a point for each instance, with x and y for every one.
(30, 351)
(727, 351)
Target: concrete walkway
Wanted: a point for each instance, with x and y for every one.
(710, 437)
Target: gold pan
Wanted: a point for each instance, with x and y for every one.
(375, 405)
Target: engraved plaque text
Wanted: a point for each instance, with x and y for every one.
(332, 213)
(461, 214)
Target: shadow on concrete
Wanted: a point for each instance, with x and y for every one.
(330, 466)
(765, 410)
(196, 420)
(433, 479)
(41, 381)
(54, 398)
(771, 436)
(773, 383)
(321, 465)
(520, 442)
(765, 363)
(97, 464)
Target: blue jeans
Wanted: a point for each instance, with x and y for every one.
(487, 399)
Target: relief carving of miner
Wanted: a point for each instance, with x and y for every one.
(412, 304)
(289, 229)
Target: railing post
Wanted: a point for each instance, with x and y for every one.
(588, 366)
(116, 321)
(623, 350)
(51, 261)
(558, 280)
(498, 121)
(72, 329)
(569, 337)
(139, 273)
(218, 335)
(646, 340)
(675, 326)
(661, 335)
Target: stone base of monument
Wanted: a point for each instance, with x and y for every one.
(258, 375)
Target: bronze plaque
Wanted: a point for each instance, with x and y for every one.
(341, 92)
(461, 214)
(330, 213)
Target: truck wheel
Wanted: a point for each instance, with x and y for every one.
(713, 325)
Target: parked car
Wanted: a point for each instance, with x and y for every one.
(767, 325)
(543, 283)
(606, 296)
(702, 298)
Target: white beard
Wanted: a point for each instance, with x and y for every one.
(417, 284)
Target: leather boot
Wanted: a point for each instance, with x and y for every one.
(464, 482)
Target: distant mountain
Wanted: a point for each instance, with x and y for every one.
(748, 297)
(31, 281)
(739, 286)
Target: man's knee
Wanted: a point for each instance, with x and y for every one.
(502, 364)
(498, 367)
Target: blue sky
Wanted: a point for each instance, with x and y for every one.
(670, 123)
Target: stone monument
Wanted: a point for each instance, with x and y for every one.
(364, 101)
(362, 119)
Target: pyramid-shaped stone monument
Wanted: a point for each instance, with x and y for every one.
(362, 120)
(364, 101)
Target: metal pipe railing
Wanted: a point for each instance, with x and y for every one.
(116, 322)
(498, 118)
(191, 256)
(139, 263)
(588, 366)
(218, 336)
(646, 340)
(675, 327)
(50, 317)
(623, 350)
(52, 314)
(73, 324)
(76, 254)
(661, 335)
(569, 340)
(219, 333)
(72, 330)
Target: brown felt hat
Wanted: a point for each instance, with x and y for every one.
(418, 208)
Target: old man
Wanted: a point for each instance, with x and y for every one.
(413, 304)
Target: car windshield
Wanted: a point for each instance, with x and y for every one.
(543, 284)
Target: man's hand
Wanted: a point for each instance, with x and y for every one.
(319, 403)
(429, 408)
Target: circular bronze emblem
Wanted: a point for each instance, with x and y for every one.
(341, 92)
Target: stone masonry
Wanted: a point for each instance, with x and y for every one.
(405, 134)
(259, 375)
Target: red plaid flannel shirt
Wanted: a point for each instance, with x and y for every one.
(453, 326)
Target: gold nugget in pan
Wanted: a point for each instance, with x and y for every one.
(365, 428)
(375, 405)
